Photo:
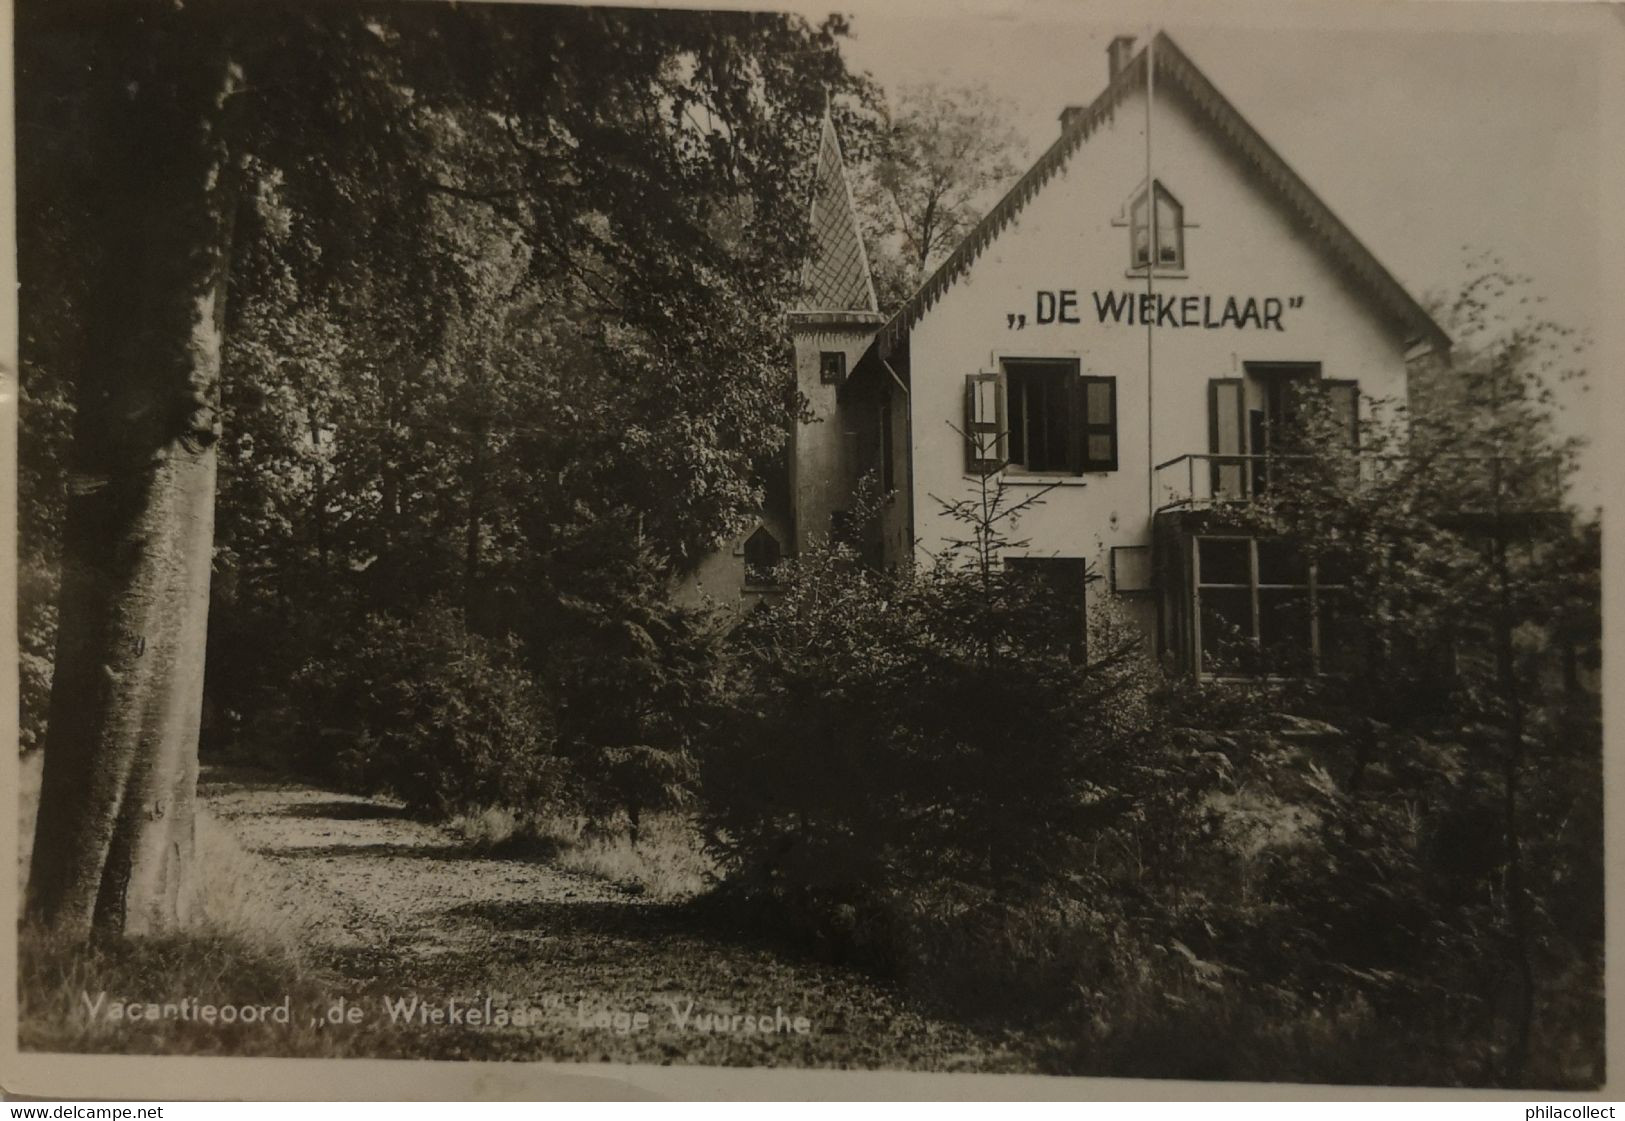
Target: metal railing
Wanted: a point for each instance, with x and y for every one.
(1204, 480)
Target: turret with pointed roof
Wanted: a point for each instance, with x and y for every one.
(836, 275)
(833, 323)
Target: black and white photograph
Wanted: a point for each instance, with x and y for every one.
(1010, 539)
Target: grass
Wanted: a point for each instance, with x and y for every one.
(667, 864)
(246, 945)
(238, 894)
(244, 949)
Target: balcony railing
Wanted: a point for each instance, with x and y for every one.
(1205, 480)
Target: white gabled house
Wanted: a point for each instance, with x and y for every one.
(1127, 324)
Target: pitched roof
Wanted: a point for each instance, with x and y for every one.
(1173, 66)
(836, 275)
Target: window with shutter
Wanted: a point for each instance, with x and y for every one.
(1053, 421)
(1039, 409)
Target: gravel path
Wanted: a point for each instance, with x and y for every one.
(590, 972)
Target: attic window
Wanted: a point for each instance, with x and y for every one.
(762, 555)
(1167, 232)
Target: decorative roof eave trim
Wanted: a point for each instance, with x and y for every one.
(1305, 204)
(993, 223)
(833, 317)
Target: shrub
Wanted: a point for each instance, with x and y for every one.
(918, 760)
(632, 674)
(445, 720)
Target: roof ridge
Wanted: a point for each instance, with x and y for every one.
(1297, 193)
(1075, 131)
(1298, 190)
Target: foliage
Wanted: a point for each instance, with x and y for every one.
(935, 161)
(632, 673)
(444, 720)
(897, 735)
(503, 280)
(1459, 816)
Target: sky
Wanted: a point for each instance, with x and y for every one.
(1432, 129)
(1454, 131)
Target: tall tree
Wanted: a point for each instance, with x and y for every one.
(305, 153)
(937, 160)
(1462, 609)
(115, 834)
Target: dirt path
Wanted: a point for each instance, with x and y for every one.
(401, 911)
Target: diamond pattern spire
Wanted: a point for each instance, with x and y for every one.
(836, 276)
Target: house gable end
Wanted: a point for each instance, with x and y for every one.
(1327, 233)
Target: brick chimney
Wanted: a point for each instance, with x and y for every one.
(1118, 52)
(1117, 56)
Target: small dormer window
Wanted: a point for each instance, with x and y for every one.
(1164, 230)
(762, 556)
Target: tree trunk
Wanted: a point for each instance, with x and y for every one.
(114, 844)
(319, 488)
(476, 513)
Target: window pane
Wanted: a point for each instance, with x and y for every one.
(1039, 413)
(1333, 567)
(1283, 624)
(1099, 401)
(1100, 449)
(1016, 420)
(1342, 634)
(1227, 630)
(1055, 422)
(1281, 562)
(1169, 219)
(1168, 212)
(1225, 562)
(761, 556)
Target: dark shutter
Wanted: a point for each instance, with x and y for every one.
(1094, 427)
(984, 423)
(1226, 428)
